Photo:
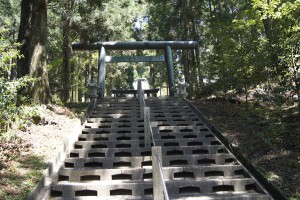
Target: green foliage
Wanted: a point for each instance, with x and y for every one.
(119, 17)
(242, 44)
(249, 45)
(92, 21)
(283, 17)
(9, 14)
(9, 112)
(130, 76)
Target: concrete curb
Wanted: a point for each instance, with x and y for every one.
(42, 189)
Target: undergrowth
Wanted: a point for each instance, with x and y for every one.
(268, 140)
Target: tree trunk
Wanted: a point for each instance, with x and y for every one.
(271, 34)
(65, 74)
(210, 10)
(79, 81)
(272, 41)
(187, 73)
(38, 58)
(88, 77)
(152, 76)
(23, 63)
(298, 93)
(81, 77)
(195, 72)
(247, 96)
(193, 75)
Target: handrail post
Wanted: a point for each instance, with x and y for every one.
(141, 100)
(139, 84)
(158, 188)
(147, 127)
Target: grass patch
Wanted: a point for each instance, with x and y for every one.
(20, 169)
(268, 140)
(19, 175)
(23, 153)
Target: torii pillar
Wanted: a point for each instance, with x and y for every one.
(167, 46)
(170, 70)
(101, 71)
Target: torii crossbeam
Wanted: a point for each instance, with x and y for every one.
(167, 46)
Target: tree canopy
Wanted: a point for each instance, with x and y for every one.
(247, 48)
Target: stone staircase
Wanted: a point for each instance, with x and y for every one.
(110, 160)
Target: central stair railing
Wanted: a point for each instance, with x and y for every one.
(159, 186)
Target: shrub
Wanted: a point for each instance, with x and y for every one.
(9, 111)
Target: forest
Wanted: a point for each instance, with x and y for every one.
(248, 54)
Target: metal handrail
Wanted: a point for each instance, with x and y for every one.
(162, 179)
(143, 102)
(160, 165)
(152, 136)
(166, 195)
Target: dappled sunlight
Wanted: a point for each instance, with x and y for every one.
(273, 149)
(20, 175)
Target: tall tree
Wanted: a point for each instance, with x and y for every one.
(40, 90)
(24, 38)
(66, 50)
(33, 38)
(182, 21)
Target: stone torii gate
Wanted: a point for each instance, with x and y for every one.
(167, 46)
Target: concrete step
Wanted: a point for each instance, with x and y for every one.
(181, 129)
(117, 105)
(114, 123)
(115, 197)
(143, 161)
(137, 133)
(100, 189)
(114, 127)
(80, 152)
(140, 143)
(154, 117)
(109, 119)
(182, 122)
(175, 119)
(106, 135)
(170, 173)
(114, 120)
(223, 196)
(174, 126)
(116, 111)
(163, 104)
(109, 106)
(105, 130)
(172, 115)
(199, 187)
(111, 116)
